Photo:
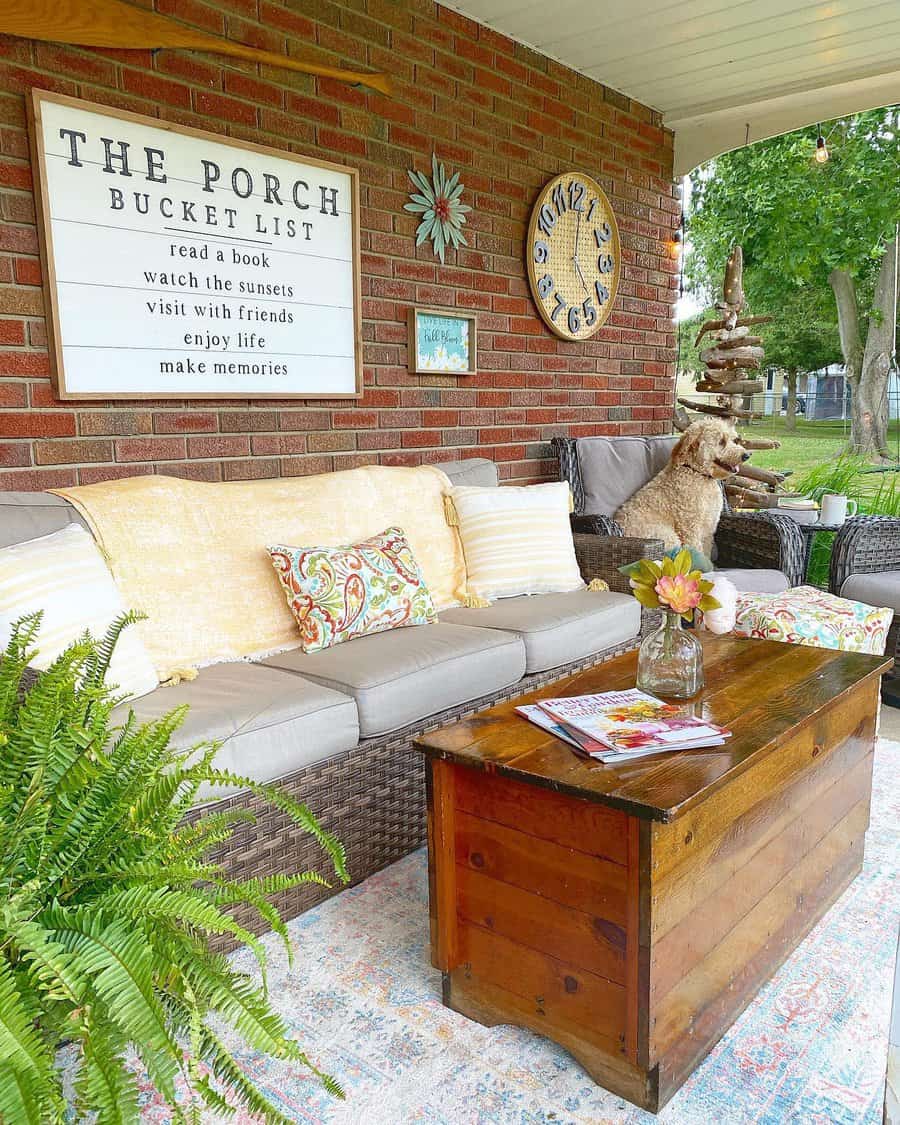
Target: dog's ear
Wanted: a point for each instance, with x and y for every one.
(685, 448)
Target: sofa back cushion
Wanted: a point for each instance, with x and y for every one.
(30, 515)
(474, 472)
(613, 469)
(193, 555)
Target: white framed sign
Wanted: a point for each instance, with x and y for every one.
(180, 264)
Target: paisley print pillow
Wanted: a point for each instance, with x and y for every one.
(337, 593)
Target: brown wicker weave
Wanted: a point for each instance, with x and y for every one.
(752, 540)
(868, 545)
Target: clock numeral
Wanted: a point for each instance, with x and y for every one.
(602, 234)
(559, 199)
(605, 263)
(574, 320)
(591, 209)
(602, 293)
(547, 220)
(590, 313)
(545, 286)
(560, 305)
(541, 252)
(576, 195)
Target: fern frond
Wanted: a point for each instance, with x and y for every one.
(297, 811)
(108, 898)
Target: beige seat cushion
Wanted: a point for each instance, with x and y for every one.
(882, 589)
(400, 677)
(756, 581)
(270, 723)
(558, 628)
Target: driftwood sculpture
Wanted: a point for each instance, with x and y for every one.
(114, 23)
(733, 354)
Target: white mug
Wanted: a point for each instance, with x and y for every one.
(835, 509)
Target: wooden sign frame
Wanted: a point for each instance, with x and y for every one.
(470, 318)
(50, 283)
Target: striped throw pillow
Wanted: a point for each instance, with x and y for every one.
(516, 540)
(64, 575)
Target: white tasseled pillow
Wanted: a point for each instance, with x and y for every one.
(64, 575)
(517, 540)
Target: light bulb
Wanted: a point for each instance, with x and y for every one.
(821, 150)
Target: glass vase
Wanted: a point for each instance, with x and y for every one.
(670, 660)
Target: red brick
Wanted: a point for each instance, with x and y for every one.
(14, 454)
(12, 332)
(63, 452)
(157, 88)
(218, 445)
(31, 424)
(28, 271)
(150, 449)
(184, 422)
(223, 108)
(15, 174)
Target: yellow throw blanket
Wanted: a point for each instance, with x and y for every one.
(192, 556)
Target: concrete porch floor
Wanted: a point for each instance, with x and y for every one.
(890, 723)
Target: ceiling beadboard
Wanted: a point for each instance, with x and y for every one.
(713, 68)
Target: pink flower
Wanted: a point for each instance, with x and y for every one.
(680, 593)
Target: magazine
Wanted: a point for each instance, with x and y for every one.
(590, 747)
(632, 721)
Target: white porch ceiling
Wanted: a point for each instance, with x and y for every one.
(711, 67)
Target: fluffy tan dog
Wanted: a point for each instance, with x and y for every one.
(683, 503)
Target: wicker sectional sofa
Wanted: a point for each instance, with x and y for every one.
(335, 728)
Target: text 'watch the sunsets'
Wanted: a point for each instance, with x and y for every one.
(573, 256)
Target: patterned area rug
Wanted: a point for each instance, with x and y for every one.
(365, 1003)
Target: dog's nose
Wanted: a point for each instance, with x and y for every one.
(745, 456)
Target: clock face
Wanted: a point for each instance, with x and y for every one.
(573, 256)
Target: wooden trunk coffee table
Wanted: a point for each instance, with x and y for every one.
(631, 913)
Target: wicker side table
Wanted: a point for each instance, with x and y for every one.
(810, 530)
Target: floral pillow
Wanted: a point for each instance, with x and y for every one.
(337, 593)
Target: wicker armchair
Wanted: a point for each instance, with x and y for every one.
(868, 545)
(744, 540)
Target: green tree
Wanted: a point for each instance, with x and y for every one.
(802, 337)
(809, 226)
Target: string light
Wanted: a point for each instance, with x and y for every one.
(821, 149)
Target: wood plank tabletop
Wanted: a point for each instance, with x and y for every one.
(763, 691)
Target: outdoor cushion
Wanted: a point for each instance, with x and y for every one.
(881, 589)
(558, 628)
(516, 540)
(756, 581)
(809, 616)
(338, 593)
(613, 469)
(63, 575)
(477, 471)
(29, 515)
(271, 723)
(402, 676)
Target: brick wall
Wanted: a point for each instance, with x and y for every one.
(507, 118)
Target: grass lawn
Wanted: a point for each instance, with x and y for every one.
(812, 444)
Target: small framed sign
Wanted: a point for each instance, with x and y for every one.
(182, 264)
(442, 342)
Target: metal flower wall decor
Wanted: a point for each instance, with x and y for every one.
(437, 201)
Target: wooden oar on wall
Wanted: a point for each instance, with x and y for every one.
(114, 23)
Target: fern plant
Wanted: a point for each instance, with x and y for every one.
(108, 899)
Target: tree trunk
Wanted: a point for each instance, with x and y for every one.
(869, 406)
(790, 414)
(867, 368)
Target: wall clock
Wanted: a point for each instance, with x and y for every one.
(573, 256)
